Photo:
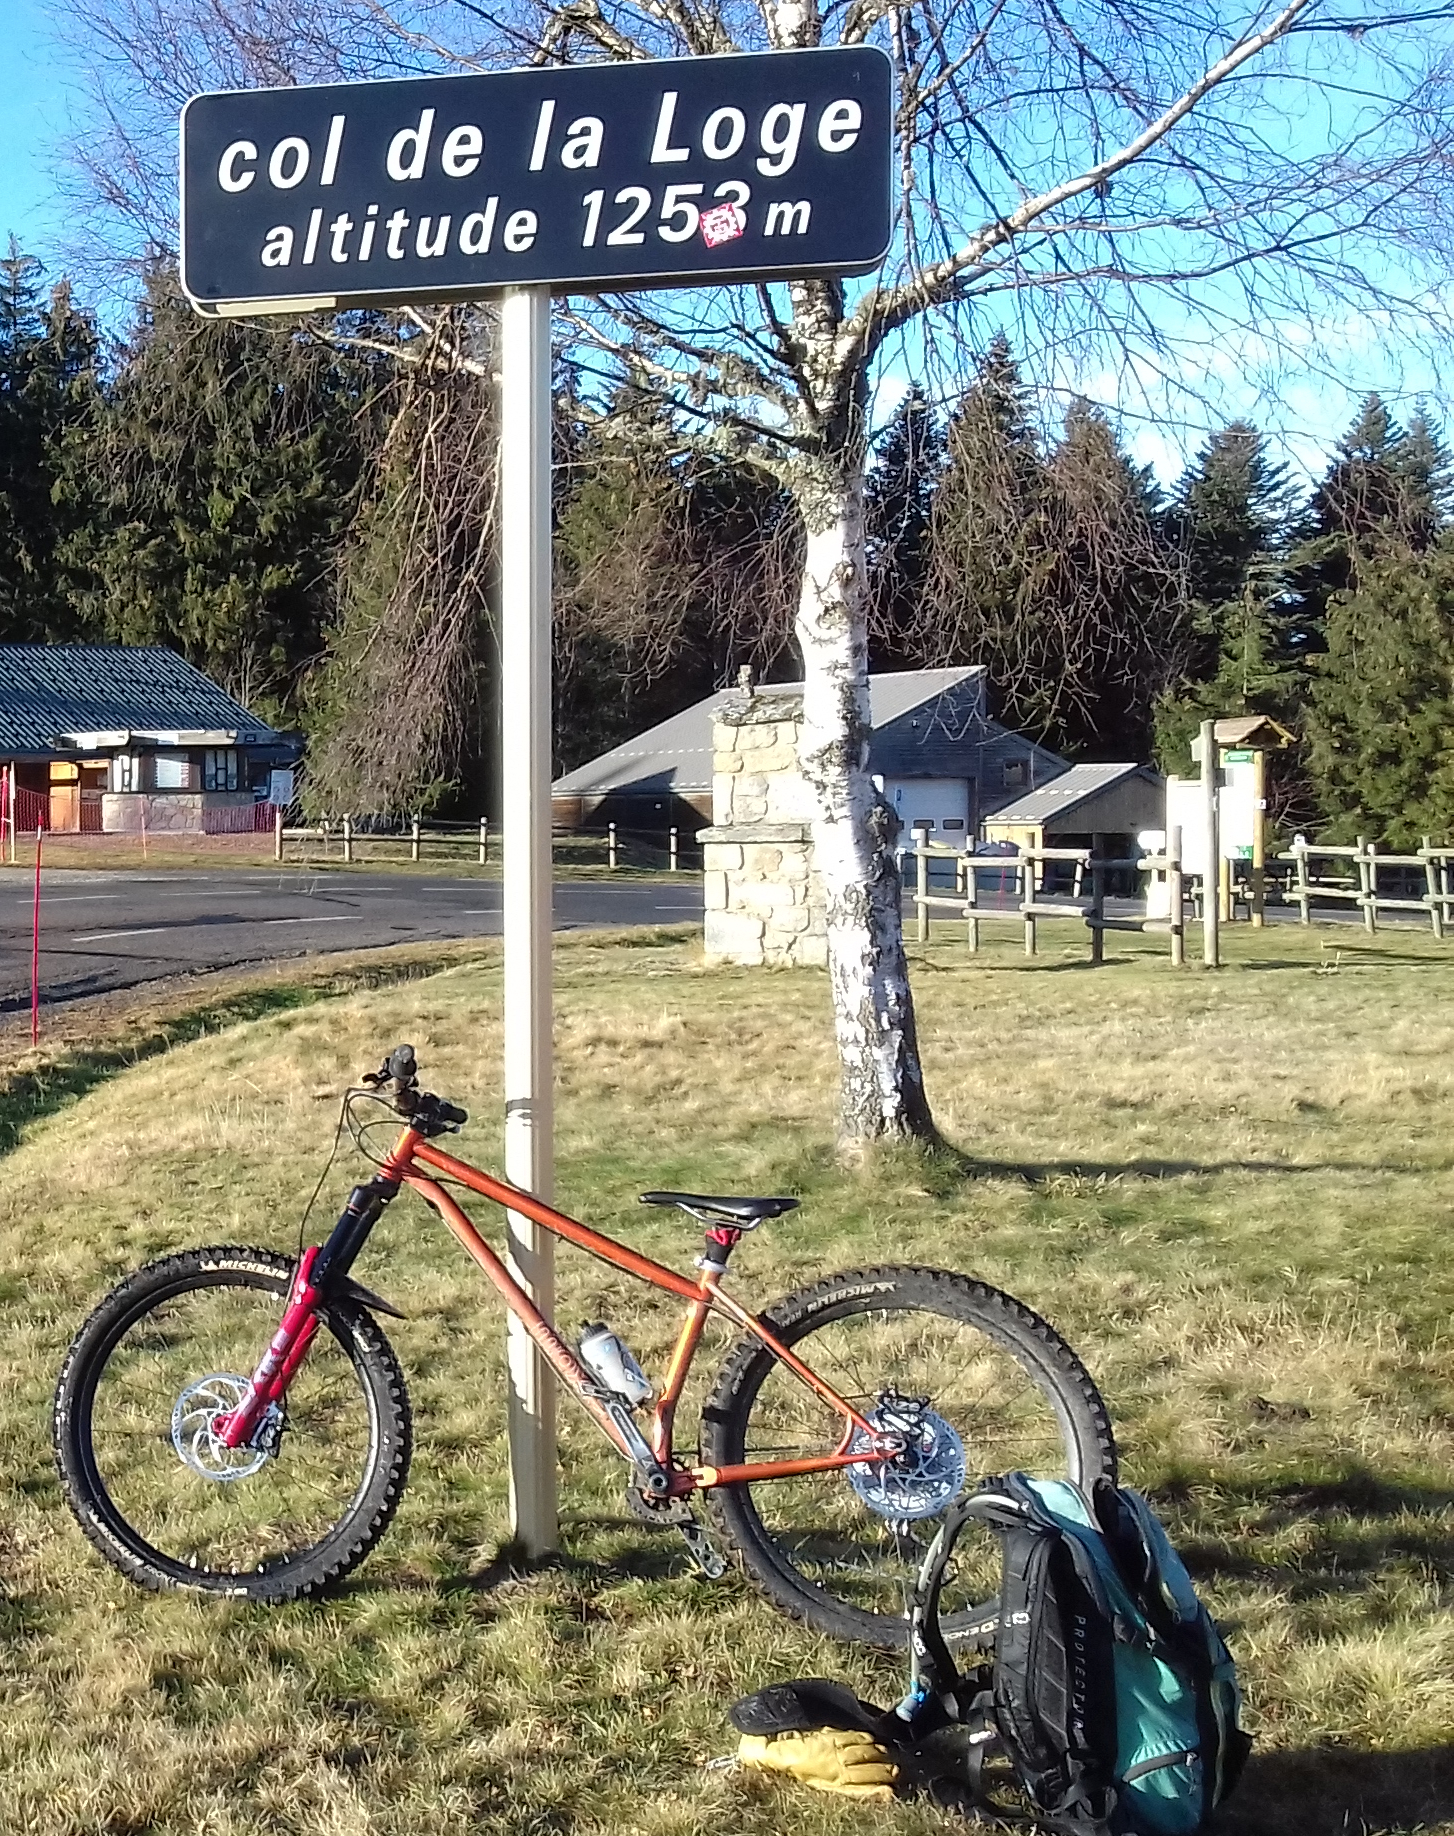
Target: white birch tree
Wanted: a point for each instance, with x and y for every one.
(1133, 181)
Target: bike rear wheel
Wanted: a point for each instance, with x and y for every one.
(1001, 1392)
(171, 1346)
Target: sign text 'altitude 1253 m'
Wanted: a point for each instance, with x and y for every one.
(676, 173)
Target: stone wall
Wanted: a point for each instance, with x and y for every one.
(166, 812)
(764, 902)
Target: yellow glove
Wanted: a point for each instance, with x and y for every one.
(829, 1759)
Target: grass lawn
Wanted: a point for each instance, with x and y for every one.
(1230, 1193)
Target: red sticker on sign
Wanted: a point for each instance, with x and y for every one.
(723, 223)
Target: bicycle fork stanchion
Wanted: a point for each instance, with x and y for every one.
(525, 428)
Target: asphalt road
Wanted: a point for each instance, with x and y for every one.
(108, 930)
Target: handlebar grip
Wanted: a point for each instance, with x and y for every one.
(450, 1112)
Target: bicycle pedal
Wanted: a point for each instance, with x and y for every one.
(706, 1557)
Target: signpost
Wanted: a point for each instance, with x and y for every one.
(687, 172)
(693, 172)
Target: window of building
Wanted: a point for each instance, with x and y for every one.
(171, 770)
(1014, 773)
(219, 771)
(126, 772)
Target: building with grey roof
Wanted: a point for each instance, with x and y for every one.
(1083, 803)
(938, 757)
(99, 735)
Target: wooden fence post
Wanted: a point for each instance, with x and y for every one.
(1212, 877)
(1259, 838)
(1098, 909)
(921, 881)
(971, 901)
(484, 838)
(348, 838)
(1436, 914)
(1029, 874)
(414, 837)
(1303, 895)
(1177, 898)
(1367, 884)
(611, 844)
(278, 833)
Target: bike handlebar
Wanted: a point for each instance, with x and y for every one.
(427, 1112)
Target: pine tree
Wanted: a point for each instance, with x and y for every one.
(1362, 500)
(48, 385)
(210, 492)
(911, 454)
(1381, 724)
(1246, 653)
(1230, 506)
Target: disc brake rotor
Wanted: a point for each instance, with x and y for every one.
(194, 1432)
(922, 1479)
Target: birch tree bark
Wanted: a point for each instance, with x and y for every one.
(1079, 156)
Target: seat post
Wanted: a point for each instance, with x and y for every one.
(721, 1240)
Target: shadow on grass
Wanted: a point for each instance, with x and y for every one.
(1330, 1791)
(28, 1096)
(1045, 1172)
(1355, 1537)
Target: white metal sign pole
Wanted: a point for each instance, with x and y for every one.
(525, 722)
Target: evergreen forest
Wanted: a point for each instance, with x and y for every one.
(304, 511)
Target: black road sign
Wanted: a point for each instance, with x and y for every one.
(690, 171)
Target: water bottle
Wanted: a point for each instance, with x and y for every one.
(610, 1361)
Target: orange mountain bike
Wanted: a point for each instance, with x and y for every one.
(845, 1421)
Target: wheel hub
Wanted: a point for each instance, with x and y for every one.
(199, 1409)
(924, 1475)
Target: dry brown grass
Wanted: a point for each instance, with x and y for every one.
(1230, 1193)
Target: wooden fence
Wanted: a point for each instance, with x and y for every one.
(1359, 884)
(1027, 870)
(352, 839)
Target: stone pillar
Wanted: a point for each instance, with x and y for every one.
(764, 903)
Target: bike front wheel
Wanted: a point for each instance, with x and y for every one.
(167, 1351)
(974, 1382)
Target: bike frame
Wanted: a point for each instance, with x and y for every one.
(410, 1163)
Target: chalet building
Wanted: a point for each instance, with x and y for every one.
(107, 737)
(936, 755)
(1103, 807)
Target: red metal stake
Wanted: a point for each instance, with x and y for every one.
(35, 949)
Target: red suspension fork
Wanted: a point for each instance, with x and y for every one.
(286, 1351)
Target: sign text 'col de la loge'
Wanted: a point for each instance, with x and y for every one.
(682, 172)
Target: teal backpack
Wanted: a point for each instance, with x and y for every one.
(1110, 1693)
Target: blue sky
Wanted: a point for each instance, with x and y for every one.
(1307, 417)
(32, 124)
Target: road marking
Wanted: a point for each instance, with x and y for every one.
(154, 930)
(75, 898)
(337, 918)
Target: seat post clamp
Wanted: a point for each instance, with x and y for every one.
(721, 1239)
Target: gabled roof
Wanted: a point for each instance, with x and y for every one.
(675, 756)
(75, 697)
(1055, 800)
